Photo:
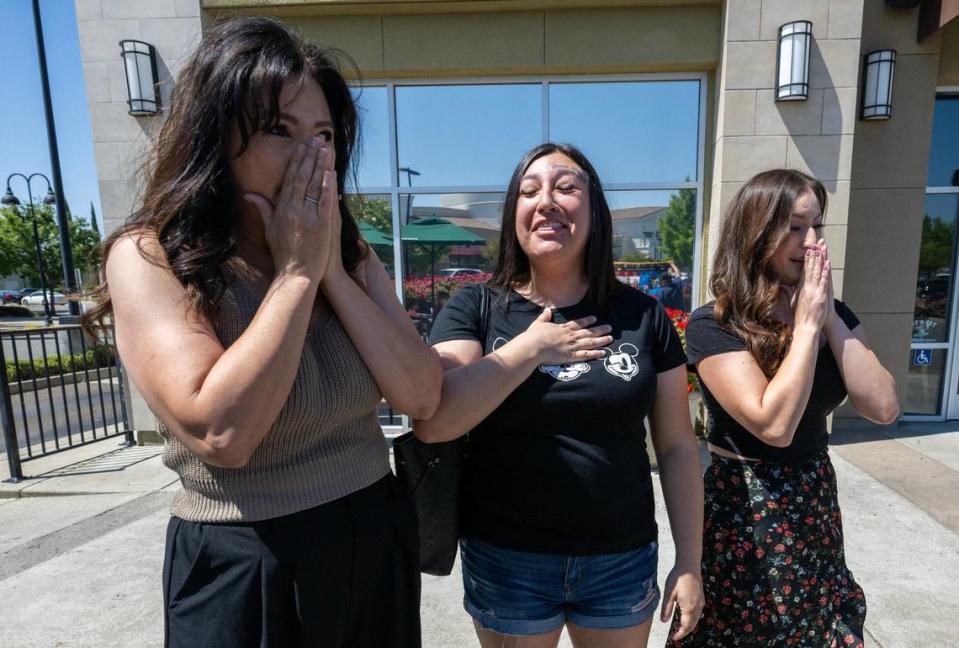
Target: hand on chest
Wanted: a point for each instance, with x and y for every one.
(622, 359)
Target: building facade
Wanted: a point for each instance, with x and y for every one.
(674, 102)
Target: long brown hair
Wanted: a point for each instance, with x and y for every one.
(233, 80)
(512, 267)
(743, 281)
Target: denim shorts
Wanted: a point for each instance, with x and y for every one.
(520, 593)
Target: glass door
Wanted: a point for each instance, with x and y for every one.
(932, 388)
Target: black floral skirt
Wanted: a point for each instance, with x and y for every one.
(774, 570)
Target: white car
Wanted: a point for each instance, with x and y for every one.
(37, 298)
(459, 272)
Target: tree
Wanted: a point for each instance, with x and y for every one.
(378, 213)
(18, 251)
(93, 221)
(935, 251)
(677, 229)
(375, 211)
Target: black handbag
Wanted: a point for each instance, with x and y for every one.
(432, 474)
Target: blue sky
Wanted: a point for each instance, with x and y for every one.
(23, 134)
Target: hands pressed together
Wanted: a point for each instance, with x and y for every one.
(812, 300)
(303, 228)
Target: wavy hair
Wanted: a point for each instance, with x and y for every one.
(743, 281)
(512, 267)
(232, 81)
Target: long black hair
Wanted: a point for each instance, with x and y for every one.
(232, 80)
(512, 267)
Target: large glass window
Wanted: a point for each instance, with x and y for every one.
(455, 146)
(632, 132)
(457, 135)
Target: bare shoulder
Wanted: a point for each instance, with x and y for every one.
(138, 262)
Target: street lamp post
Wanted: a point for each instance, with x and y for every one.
(409, 181)
(66, 253)
(49, 306)
(409, 204)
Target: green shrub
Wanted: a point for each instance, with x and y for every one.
(98, 356)
(12, 310)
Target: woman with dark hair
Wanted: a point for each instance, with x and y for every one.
(775, 354)
(554, 366)
(262, 332)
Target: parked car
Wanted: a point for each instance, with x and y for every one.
(9, 297)
(458, 272)
(37, 298)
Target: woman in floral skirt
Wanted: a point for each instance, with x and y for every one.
(775, 354)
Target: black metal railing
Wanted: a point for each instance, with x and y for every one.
(60, 389)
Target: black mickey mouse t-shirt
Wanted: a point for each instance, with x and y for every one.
(561, 465)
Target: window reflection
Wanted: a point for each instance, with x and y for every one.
(924, 385)
(448, 240)
(374, 217)
(465, 134)
(653, 242)
(944, 154)
(372, 157)
(934, 281)
(631, 131)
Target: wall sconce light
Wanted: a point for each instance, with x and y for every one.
(878, 68)
(792, 61)
(140, 64)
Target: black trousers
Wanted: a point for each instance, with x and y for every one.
(344, 574)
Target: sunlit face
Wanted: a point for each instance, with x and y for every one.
(304, 113)
(552, 213)
(805, 229)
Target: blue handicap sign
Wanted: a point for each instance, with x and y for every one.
(922, 357)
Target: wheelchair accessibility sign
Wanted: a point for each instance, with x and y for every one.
(922, 357)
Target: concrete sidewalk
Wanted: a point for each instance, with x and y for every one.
(81, 547)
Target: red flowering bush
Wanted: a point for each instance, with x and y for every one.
(423, 288)
(680, 320)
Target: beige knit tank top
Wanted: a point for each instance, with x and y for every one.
(325, 444)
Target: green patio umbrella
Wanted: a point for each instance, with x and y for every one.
(437, 231)
(372, 235)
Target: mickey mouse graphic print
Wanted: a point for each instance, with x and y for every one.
(561, 465)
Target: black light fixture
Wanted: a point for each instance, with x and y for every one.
(9, 199)
(878, 68)
(140, 64)
(49, 309)
(792, 61)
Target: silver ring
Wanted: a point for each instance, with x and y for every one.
(312, 200)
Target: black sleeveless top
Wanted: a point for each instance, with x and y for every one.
(705, 337)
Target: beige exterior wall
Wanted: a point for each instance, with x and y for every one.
(754, 132)
(889, 168)
(949, 55)
(553, 41)
(173, 27)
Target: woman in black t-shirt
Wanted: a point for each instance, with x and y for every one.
(776, 353)
(554, 366)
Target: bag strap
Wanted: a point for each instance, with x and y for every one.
(485, 310)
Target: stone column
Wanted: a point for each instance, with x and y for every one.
(119, 139)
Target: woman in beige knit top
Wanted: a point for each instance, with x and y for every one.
(263, 331)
